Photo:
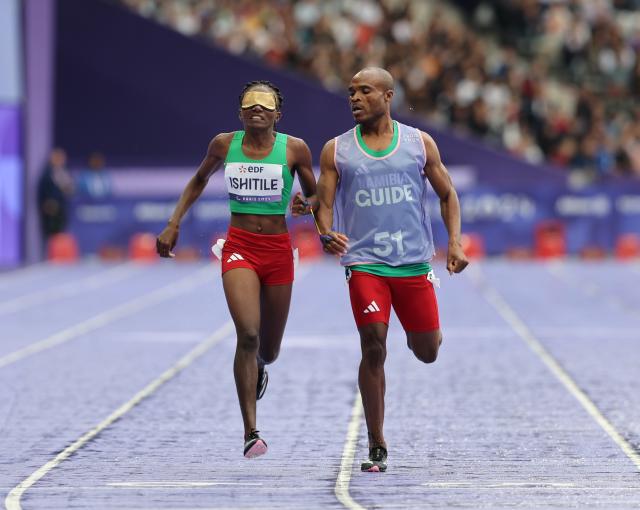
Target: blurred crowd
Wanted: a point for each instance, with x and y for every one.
(555, 80)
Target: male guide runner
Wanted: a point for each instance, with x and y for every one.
(374, 176)
(257, 260)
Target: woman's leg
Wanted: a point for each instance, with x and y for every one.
(274, 310)
(242, 290)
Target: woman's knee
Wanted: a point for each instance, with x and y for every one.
(248, 340)
(268, 354)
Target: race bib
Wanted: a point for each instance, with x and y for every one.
(254, 182)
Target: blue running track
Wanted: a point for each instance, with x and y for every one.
(116, 391)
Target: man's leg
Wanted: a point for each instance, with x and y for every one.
(425, 345)
(371, 379)
(415, 304)
(371, 305)
(242, 290)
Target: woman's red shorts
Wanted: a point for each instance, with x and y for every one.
(269, 255)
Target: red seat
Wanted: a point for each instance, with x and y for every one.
(593, 253)
(188, 254)
(142, 247)
(628, 246)
(472, 245)
(308, 244)
(550, 240)
(62, 248)
(112, 253)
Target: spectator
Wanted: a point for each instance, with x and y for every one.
(54, 188)
(94, 181)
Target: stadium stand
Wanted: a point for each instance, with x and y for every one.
(548, 81)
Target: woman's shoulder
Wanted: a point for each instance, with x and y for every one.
(219, 144)
(295, 143)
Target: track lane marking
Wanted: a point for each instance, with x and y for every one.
(12, 501)
(69, 289)
(523, 331)
(102, 319)
(348, 453)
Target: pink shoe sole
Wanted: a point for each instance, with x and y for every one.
(259, 448)
(373, 469)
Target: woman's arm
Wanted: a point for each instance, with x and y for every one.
(216, 154)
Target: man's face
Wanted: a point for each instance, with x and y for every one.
(367, 98)
(256, 115)
(58, 158)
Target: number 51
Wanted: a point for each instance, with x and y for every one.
(384, 247)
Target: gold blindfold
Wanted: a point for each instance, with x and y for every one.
(265, 99)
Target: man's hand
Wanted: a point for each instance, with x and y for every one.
(456, 259)
(334, 243)
(300, 206)
(167, 240)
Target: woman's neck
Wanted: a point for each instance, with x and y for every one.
(259, 138)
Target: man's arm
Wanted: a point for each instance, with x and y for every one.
(216, 153)
(333, 242)
(440, 179)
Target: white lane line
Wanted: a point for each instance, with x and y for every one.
(510, 316)
(348, 453)
(102, 319)
(12, 501)
(73, 288)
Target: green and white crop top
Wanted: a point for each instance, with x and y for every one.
(258, 186)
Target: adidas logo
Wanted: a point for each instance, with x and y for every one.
(373, 307)
(235, 256)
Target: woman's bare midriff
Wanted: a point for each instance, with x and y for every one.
(260, 223)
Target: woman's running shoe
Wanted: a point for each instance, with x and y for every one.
(377, 461)
(254, 445)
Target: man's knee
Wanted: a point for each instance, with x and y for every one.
(427, 355)
(425, 346)
(374, 351)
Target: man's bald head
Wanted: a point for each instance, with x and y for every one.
(379, 78)
(370, 94)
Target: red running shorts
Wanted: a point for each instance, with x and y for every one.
(412, 297)
(268, 255)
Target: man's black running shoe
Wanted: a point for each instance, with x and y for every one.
(377, 460)
(254, 445)
(263, 380)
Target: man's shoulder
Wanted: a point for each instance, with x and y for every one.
(409, 129)
(348, 132)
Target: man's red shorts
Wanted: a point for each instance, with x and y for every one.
(412, 298)
(269, 255)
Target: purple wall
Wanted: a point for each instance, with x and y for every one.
(39, 41)
(151, 95)
(10, 186)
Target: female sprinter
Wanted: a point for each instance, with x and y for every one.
(257, 260)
